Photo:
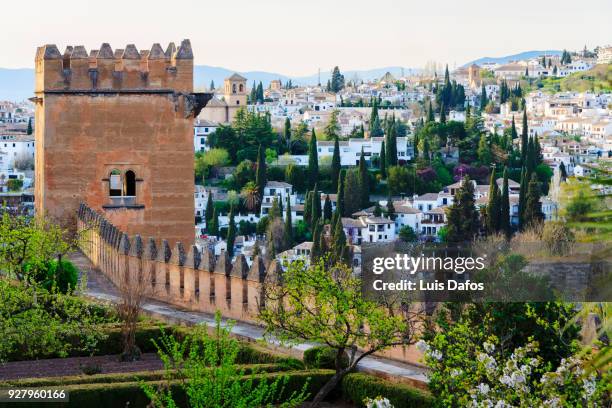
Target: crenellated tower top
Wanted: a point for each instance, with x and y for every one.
(121, 70)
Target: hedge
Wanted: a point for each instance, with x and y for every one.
(155, 375)
(323, 357)
(101, 395)
(145, 334)
(356, 387)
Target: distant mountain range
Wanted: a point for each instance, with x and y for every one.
(513, 57)
(17, 84)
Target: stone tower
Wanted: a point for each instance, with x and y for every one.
(114, 129)
(235, 94)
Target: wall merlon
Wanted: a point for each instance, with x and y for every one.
(193, 258)
(257, 273)
(223, 265)
(240, 269)
(151, 250)
(79, 52)
(178, 255)
(165, 254)
(124, 245)
(156, 52)
(207, 261)
(136, 249)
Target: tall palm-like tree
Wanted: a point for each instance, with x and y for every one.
(250, 194)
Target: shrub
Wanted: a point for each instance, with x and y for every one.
(14, 184)
(356, 387)
(323, 357)
(558, 238)
(120, 394)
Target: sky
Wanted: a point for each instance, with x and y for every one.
(297, 37)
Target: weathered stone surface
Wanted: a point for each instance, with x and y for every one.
(257, 273)
(111, 112)
(240, 269)
(224, 265)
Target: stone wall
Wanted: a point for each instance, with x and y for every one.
(179, 275)
(185, 276)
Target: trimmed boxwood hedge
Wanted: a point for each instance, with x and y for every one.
(155, 375)
(249, 353)
(323, 357)
(120, 394)
(356, 387)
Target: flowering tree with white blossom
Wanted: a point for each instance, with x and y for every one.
(469, 370)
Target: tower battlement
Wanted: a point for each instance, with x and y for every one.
(121, 70)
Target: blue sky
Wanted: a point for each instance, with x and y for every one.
(297, 37)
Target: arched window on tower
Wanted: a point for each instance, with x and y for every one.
(233, 88)
(130, 184)
(114, 184)
(241, 88)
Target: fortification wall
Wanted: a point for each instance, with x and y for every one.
(187, 277)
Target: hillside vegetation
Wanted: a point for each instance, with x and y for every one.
(597, 79)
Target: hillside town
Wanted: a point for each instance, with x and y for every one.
(475, 121)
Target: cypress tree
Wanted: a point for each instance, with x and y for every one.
(315, 250)
(287, 133)
(364, 181)
(493, 206)
(537, 151)
(462, 214)
(231, 233)
(213, 229)
(383, 160)
(313, 161)
(483, 97)
(390, 207)
(524, 138)
(308, 207)
(563, 171)
(391, 146)
(260, 176)
(339, 242)
(208, 214)
(30, 130)
(513, 129)
(323, 249)
(442, 113)
(505, 226)
(327, 209)
(430, 114)
(352, 192)
(374, 116)
(377, 210)
(531, 160)
(340, 196)
(275, 211)
(288, 225)
(522, 197)
(533, 209)
(315, 208)
(335, 164)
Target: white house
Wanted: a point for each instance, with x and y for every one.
(368, 229)
(201, 130)
(279, 190)
(15, 147)
(350, 151)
